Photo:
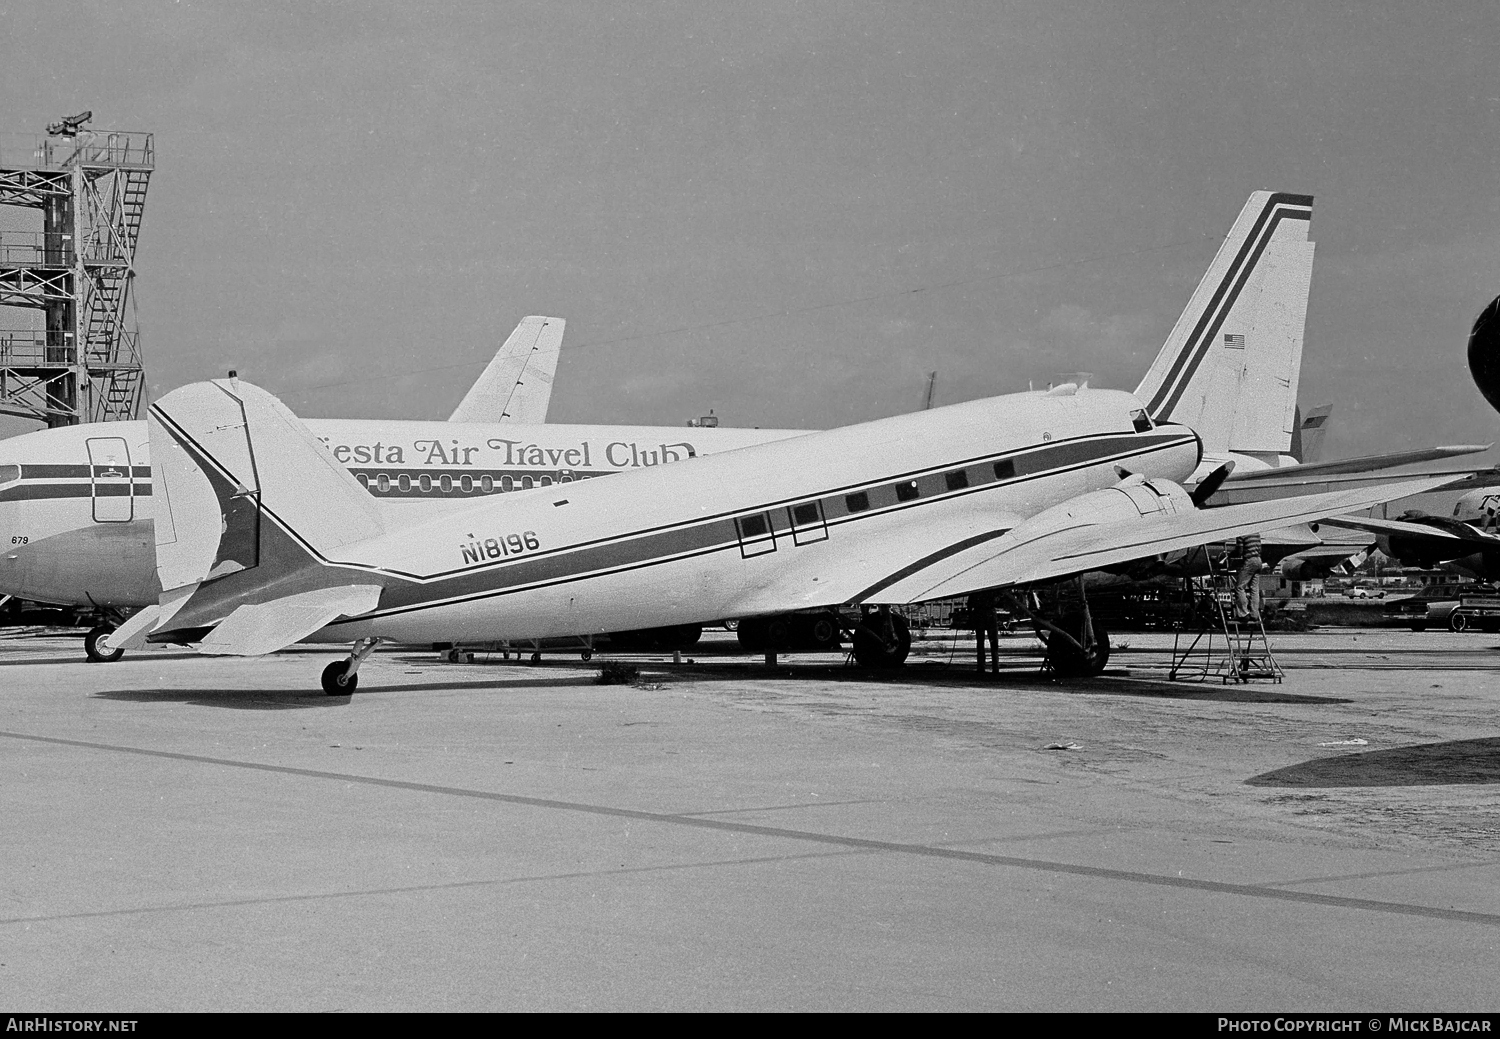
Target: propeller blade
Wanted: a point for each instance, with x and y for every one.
(1210, 483)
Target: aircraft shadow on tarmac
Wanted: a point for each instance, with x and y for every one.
(1454, 763)
(301, 699)
(964, 676)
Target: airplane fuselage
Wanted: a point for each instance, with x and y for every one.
(714, 537)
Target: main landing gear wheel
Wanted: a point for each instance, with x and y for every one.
(1067, 659)
(96, 653)
(337, 681)
(872, 650)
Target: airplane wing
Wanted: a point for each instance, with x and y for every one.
(517, 384)
(1062, 541)
(253, 630)
(1466, 540)
(1265, 484)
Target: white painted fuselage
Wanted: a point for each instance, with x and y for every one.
(715, 536)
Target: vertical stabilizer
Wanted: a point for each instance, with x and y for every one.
(1231, 365)
(517, 384)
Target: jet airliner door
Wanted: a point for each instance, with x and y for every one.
(109, 475)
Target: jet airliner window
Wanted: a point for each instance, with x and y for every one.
(753, 526)
(807, 513)
(906, 491)
(383, 482)
(404, 482)
(445, 482)
(466, 483)
(1005, 469)
(426, 482)
(486, 484)
(9, 473)
(958, 479)
(859, 501)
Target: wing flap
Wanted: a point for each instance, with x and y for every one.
(264, 628)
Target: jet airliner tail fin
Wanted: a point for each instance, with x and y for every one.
(1231, 365)
(517, 384)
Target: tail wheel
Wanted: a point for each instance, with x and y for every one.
(94, 651)
(1071, 662)
(337, 681)
(1457, 622)
(871, 650)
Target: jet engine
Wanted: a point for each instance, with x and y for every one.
(1484, 353)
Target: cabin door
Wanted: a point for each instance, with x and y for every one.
(109, 476)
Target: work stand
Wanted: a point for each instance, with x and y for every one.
(1243, 655)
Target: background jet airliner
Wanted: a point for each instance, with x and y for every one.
(264, 539)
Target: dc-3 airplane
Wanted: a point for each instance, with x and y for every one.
(263, 539)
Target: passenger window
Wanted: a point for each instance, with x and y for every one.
(807, 513)
(754, 526)
(546, 481)
(466, 483)
(487, 484)
(859, 501)
(906, 491)
(526, 483)
(404, 482)
(445, 482)
(9, 473)
(364, 481)
(957, 480)
(1005, 469)
(507, 484)
(383, 482)
(425, 482)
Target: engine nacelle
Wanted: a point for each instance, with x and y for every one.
(1134, 497)
(1484, 353)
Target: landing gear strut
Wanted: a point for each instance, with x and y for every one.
(1077, 644)
(882, 639)
(341, 677)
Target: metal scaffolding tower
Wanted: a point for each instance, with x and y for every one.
(76, 356)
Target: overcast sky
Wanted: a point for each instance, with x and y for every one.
(733, 205)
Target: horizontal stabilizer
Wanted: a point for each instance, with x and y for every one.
(254, 630)
(1047, 554)
(517, 384)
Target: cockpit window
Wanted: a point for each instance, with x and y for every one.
(9, 473)
(1141, 421)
